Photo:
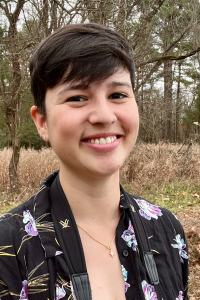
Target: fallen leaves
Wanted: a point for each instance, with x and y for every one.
(195, 195)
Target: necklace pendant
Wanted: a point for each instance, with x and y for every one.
(109, 247)
(111, 253)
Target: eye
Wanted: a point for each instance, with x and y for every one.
(76, 99)
(117, 96)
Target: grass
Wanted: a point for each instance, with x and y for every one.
(8, 201)
(175, 196)
(167, 175)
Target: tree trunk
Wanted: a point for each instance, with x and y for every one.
(178, 106)
(120, 20)
(12, 101)
(13, 165)
(12, 120)
(167, 114)
(45, 15)
(54, 20)
(98, 11)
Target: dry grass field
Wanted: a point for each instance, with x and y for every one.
(166, 174)
(161, 164)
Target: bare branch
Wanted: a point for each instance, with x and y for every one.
(178, 40)
(154, 69)
(144, 20)
(130, 8)
(160, 59)
(13, 18)
(66, 10)
(169, 57)
(5, 9)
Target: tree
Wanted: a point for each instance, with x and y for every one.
(171, 40)
(192, 116)
(11, 90)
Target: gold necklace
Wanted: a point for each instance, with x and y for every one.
(109, 247)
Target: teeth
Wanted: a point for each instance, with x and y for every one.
(108, 140)
(102, 141)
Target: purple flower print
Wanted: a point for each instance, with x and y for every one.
(125, 275)
(30, 227)
(180, 246)
(24, 291)
(180, 297)
(149, 291)
(129, 236)
(148, 210)
(58, 253)
(127, 285)
(60, 292)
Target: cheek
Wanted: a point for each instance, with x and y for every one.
(67, 125)
(131, 120)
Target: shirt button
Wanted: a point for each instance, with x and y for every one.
(125, 253)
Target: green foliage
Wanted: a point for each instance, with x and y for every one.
(5, 139)
(28, 133)
(193, 113)
(29, 137)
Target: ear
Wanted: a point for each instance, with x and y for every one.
(40, 123)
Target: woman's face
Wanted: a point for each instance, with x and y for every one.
(91, 130)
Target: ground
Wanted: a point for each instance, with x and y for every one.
(190, 221)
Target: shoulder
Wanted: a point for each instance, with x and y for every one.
(22, 256)
(41, 198)
(11, 223)
(22, 220)
(153, 215)
(17, 212)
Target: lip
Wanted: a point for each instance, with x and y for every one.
(102, 147)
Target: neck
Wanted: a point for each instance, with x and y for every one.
(92, 201)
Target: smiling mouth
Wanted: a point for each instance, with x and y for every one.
(102, 141)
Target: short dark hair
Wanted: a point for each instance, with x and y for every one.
(87, 52)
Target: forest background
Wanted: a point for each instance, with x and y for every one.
(164, 36)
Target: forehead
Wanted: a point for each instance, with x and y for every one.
(119, 78)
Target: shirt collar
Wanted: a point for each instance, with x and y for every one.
(123, 202)
(43, 220)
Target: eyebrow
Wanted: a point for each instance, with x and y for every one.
(81, 86)
(119, 83)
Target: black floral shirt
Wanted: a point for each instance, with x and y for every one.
(32, 264)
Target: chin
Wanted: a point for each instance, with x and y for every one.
(107, 171)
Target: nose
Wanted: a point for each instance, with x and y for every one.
(102, 112)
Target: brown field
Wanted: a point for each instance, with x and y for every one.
(147, 164)
(161, 164)
(167, 174)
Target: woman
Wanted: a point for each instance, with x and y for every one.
(81, 236)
